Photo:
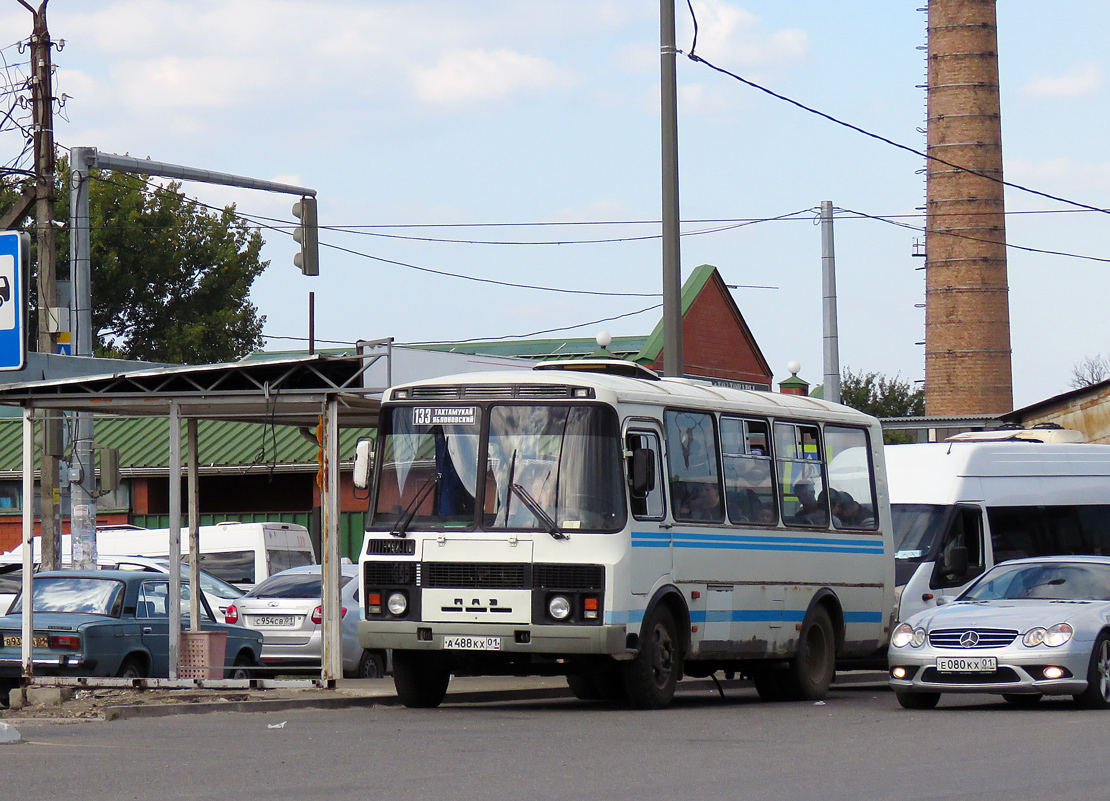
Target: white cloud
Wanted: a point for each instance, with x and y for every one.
(730, 34)
(1085, 79)
(463, 76)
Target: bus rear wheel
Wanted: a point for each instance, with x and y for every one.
(650, 679)
(811, 669)
(420, 679)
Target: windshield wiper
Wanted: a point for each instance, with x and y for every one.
(403, 521)
(533, 506)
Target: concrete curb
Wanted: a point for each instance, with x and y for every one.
(519, 692)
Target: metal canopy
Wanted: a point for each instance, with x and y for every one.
(286, 391)
(301, 391)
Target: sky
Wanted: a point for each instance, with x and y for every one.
(518, 142)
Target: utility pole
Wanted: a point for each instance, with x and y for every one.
(672, 262)
(48, 323)
(828, 308)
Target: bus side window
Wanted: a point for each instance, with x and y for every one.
(749, 483)
(645, 467)
(961, 556)
(692, 467)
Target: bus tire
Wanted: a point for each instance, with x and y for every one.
(420, 679)
(770, 684)
(651, 677)
(600, 684)
(811, 670)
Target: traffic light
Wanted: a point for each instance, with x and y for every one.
(308, 259)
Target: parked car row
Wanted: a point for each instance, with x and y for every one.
(115, 622)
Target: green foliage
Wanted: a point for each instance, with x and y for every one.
(882, 397)
(170, 279)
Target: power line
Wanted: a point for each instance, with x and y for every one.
(698, 59)
(1009, 245)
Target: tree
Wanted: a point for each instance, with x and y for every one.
(171, 279)
(1090, 371)
(882, 397)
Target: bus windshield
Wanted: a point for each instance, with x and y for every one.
(553, 467)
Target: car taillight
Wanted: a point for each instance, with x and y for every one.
(232, 615)
(69, 642)
(342, 612)
(318, 615)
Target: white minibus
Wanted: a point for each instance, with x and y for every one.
(961, 506)
(593, 519)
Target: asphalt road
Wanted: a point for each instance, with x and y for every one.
(858, 744)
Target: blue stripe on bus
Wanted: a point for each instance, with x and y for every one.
(743, 616)
(651, 539)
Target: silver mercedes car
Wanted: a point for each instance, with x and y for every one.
(1027, 628)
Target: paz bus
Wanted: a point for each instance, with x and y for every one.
(595, 520)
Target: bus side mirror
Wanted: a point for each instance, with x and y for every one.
(364, 463)
(643, 472)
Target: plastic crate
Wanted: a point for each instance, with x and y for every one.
(202, 654)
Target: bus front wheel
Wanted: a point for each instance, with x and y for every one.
(650, 679)
(811, 669)
(421, 680)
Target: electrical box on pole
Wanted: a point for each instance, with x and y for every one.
(306, 234)
(109, 470)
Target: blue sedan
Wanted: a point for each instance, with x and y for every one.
(109, 623)
(1027, 628)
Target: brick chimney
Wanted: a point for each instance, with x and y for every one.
(967, 316)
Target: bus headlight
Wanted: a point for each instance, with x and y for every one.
(558, 607)
(398, 604)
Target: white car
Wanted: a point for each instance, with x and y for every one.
(287, 609)
(1027, 628)
(219, 593)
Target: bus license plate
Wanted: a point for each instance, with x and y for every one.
(457, 643)
(961, 664)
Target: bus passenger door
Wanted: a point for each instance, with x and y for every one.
(650, 554)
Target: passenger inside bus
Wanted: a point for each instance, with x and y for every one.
(704, 503)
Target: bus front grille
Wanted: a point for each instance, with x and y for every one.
(479, 575)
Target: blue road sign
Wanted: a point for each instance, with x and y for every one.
(13, 302)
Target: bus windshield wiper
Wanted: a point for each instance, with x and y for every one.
(403, 521)
(534, 507)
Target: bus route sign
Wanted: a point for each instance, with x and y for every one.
(13, 351)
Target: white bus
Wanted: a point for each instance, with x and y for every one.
(961, 506)
(594, 520)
